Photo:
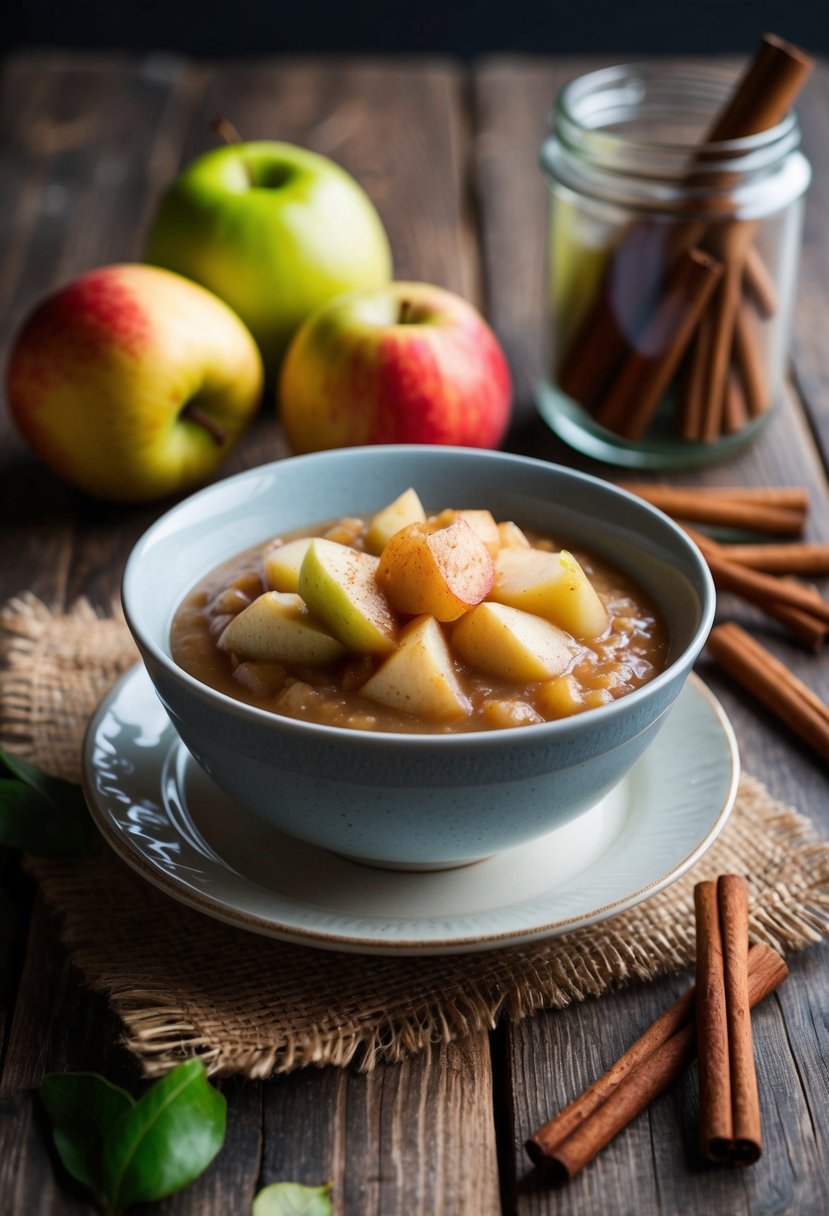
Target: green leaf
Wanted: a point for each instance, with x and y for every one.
(165, 1140)
(291, 1199)
(82, 1107)
(41, 814)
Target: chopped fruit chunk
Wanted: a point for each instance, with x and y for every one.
(339, 585)
(502, 714)
(405, 510)
(513, 645)
(551, 585)
(419, 678)
(560, 698)
(482, 524)
(511, 536)
(441, 574)
(345, 531)
(279, 628)
(259, 677)
(282, 564)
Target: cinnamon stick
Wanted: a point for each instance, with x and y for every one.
(693, 384)
(753, 511)
(735, 408)
(766, 91)
(564, 1145)
(724, 308)
(732, 901)
(758, 283)
(801, 557)
(795, 498)
(758, 671)
(765, 589)
(750, 365)
(637, 389)
(715, 1120)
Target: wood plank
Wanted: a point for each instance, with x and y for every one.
(652, 1166)
(810, 355)
(415, 1138)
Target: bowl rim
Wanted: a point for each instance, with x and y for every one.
(421, 740)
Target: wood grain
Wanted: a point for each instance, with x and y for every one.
(450, 159)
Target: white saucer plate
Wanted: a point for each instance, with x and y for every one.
(164, 816)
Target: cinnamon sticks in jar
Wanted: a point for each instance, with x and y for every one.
(678, 312)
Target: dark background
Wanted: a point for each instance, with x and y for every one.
(457, 27)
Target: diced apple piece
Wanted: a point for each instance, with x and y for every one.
(259, 677)
(405, 510)
(339, 585)
(441, 574)
(511, 536)
(503, 714)
(512, 644)
(345, 531)
(552, 585)
(277, 627)
(419, 678)
(282, 564)
(484, 524)
(481, 522)
(560, 698)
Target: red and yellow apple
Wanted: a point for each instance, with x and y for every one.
(274, 230)
(408, 363)
(133, 383)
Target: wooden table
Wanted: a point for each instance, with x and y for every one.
(450, 158)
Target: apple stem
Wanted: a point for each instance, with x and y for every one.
(405, 310)
(194, 413)
(225, 129)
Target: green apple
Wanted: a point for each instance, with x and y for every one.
(272, 229)
(419, 678)
(511, 644)
(339, 585)
(133, 383)
(277, 627)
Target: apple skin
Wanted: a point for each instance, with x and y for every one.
(102, 369)
(274, 230)
(409, 363)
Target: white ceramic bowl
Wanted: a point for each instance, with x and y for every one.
(399, 800)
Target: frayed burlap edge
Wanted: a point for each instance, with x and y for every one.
(252, 1006)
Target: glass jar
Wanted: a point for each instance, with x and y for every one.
(673, 267)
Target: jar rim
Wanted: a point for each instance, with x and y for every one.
(578, 99)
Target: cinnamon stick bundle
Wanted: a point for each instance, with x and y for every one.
(728, 1097)
(757, 670)
(606, 366)
(803, 614)
(567, 1143)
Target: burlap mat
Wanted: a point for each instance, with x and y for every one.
(183, 983)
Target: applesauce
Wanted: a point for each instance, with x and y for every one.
(628, 652)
